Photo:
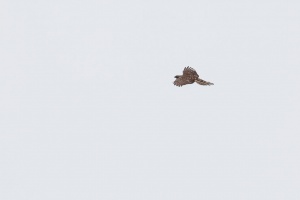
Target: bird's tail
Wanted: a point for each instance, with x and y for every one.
(203, 82)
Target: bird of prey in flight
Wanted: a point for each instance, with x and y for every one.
(189, 76)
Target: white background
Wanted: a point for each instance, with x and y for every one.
(88, 109)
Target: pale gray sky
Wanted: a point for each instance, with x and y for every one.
(89, 111)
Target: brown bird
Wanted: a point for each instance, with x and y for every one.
(189, 76)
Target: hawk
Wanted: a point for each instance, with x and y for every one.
(189, 76)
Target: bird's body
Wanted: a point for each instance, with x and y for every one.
(189, 76)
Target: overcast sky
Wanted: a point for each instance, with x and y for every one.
(88, 109)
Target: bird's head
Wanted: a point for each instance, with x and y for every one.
(177, 76)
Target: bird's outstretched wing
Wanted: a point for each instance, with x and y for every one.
(190, 72)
